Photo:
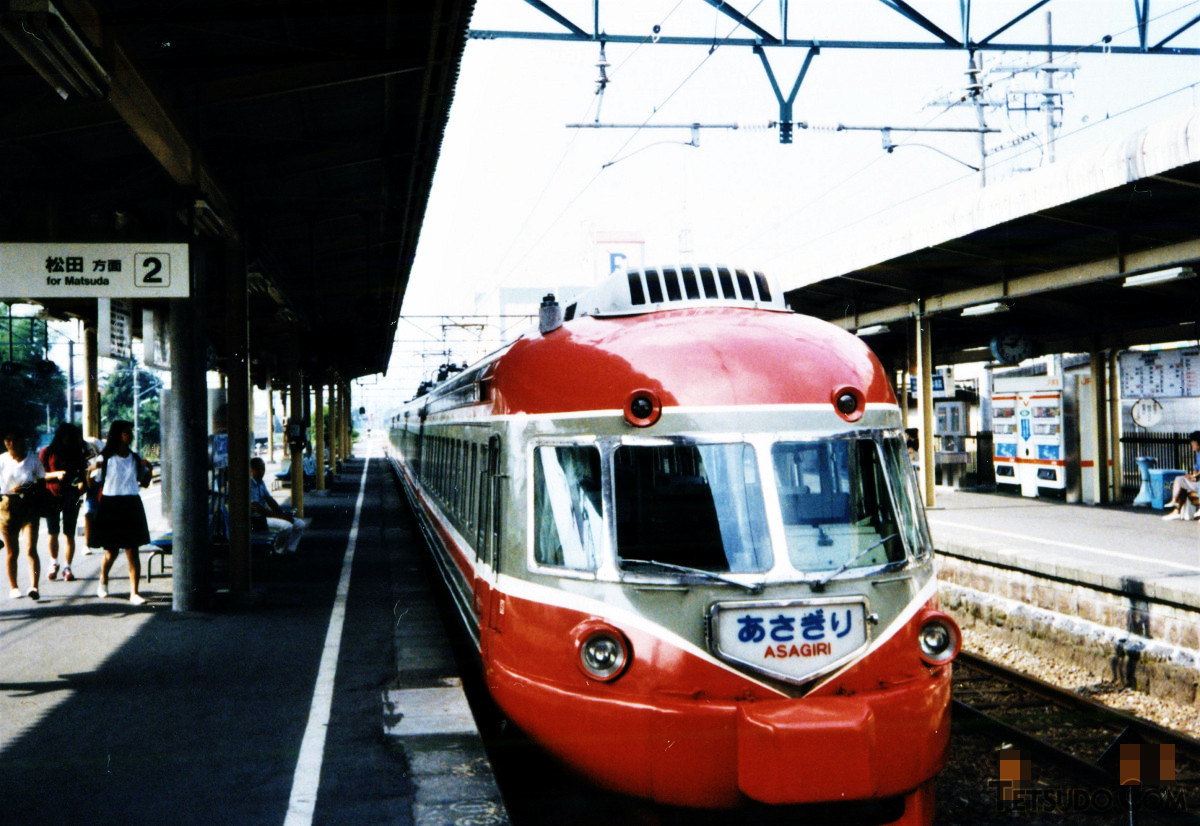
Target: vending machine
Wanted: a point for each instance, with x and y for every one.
(1029, 434)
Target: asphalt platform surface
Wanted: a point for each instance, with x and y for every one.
(112, 713)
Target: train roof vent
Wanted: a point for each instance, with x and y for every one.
(668, 288)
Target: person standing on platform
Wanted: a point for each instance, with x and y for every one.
(1187, 483)
(21, 483)
(264, 509)
(121, 522)
(66, 469)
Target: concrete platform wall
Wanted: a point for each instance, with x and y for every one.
(1136, 641)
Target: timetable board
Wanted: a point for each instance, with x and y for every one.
(1160, 374)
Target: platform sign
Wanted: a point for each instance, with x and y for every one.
(69, 270)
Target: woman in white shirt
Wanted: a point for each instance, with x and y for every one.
(121, 522)
(21, 480)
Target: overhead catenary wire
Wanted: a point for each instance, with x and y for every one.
(580, 193)
(1022, 150)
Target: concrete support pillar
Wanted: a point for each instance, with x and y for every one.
(186, 452)
(1099, 380)
(1116, 480)
(925, 384)
(296, 448)
(91, 383)
(319, 432)
(347, 429)
(335, 442)
(237, 379)
(270, 424)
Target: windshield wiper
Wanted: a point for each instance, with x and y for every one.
(820, 584)
(683, 569)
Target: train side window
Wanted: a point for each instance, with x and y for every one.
(698, 506)
(836, 504)
(636, 294)
(709, 283)
(726, 283)
(671, 278)
(471, 484)
(653, 285)
(764, 288)
(690, 288)
(568, 522)
(744, 287)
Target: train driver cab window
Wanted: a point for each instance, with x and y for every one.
(692, 506)
(838, 512)
(568, 521)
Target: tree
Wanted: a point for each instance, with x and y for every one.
(32, 389)
(116, 402)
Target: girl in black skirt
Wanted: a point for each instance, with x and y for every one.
(121, 522)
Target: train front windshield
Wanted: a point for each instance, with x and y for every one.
(839, 510)
(846, 503)
(698, 506)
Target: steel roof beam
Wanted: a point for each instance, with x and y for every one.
(1092, 272)
(907, 11)
(296, 80)
(131, 97)
(1011, 23)
(559, 18)
(743, 20)
(882, 45)
(1157, 46)
(1142, 9)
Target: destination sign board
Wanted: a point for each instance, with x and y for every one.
(70, 270)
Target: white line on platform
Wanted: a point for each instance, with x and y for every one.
(1071, 545)
(307, 778)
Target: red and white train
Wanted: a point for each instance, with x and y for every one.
(683, 529)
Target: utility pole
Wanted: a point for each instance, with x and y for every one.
(975, 90)
(1049, 105)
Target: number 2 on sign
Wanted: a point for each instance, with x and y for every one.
(153, 269)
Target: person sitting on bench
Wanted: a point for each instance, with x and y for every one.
(1187, 483)
(266, 514)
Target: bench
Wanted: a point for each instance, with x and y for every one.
(261, 542)
(283, 479)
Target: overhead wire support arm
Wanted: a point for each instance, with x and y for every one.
(1158, 46)
(826, 45)
(557, 17)
(905, 10)
(743, 20)
(1011, 23)
(785, 104)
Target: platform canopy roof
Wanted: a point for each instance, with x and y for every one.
(1058, 250)
(300, 135)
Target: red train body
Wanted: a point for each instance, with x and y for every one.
(686, 537)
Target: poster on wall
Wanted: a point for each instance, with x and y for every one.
(114, 328)
(1160, 374)
(156, 349)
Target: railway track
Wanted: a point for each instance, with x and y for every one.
(1070, 747)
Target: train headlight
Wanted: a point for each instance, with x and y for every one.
(642, 408)
(849, 402)
(939, 639)
(603, 651)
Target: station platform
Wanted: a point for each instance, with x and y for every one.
(1112, 548)
(330, 696)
